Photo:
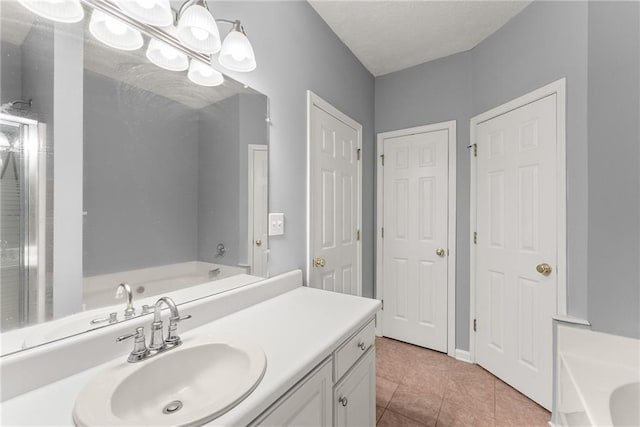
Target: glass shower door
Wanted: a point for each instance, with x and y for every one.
(22, 294)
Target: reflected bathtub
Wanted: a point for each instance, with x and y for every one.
(100, 291)
(182, 282)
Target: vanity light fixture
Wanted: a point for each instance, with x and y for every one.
(203, 74)
(113, 32)
(166, 56)
(67, 11)
(237, 53)
(197, 28)
(152, 12)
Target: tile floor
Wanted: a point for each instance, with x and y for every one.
(419, 387)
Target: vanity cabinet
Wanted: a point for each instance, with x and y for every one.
(354, 397)
(341, 391)
(306, 404)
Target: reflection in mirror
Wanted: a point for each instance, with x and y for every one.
(114, 170)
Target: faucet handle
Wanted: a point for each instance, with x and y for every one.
(140, 350)
(137, 334)
(172, 337)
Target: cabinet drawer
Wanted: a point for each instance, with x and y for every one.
(352, 350)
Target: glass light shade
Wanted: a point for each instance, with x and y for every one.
(152, 12)
(113, 32)
(67, 11)
(204, 75)
(198, 30)
(167, 57)
(237, 53)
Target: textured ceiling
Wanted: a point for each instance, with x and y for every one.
(388, 36)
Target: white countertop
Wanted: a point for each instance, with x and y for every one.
(297, 330)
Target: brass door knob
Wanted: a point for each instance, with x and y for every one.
(440, 251)
(258, 242)
(544, 268)
(319, 262)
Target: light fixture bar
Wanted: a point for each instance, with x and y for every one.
(111, 9)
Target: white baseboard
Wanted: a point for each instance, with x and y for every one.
(463, 355)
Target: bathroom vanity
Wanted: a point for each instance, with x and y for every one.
(319, 348)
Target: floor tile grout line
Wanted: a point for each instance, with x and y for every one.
(392, 394)
(405, 416)
(440, 408)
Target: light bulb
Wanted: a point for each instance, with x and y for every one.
(199, 33)
(203, 74)
(145, 4)
(237, 52)
(238, 55)
(67, 11)
(115, 26)
(113, 32)
(168, 52)
(153, 12)
(197, 29)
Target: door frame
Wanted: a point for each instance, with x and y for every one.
(557, 88)
(250, 208)
(450, 126)
(315, 100)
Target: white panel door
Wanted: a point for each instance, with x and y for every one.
(415, 238)
(334, 203)
(258, 193)
(516, 226)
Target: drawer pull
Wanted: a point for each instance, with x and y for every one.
(343, 400)
(362, 345)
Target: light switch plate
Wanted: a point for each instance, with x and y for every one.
(276, 224)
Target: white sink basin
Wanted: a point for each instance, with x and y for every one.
(188, 385)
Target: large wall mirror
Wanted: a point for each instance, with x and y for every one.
(114, 170)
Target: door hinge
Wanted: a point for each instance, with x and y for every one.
(475, 237)
(358, 153)
(382, 307)
(475, 149)
(382, 231)
(382, 159)
(475, 325)
(358, 235)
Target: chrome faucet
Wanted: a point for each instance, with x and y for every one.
(158, 343)
(129, 312)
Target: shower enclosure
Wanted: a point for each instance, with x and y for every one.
(25, 297)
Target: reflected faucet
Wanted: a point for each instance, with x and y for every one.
(129, 312)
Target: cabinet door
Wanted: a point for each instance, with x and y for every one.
(354, 398)
(308, 404)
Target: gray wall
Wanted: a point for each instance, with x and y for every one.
(140, 183)
(545, 42)
(226, 130)
(11, 75)
(219, 129)
(430, 93)
(296, 51)
(614, 167)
